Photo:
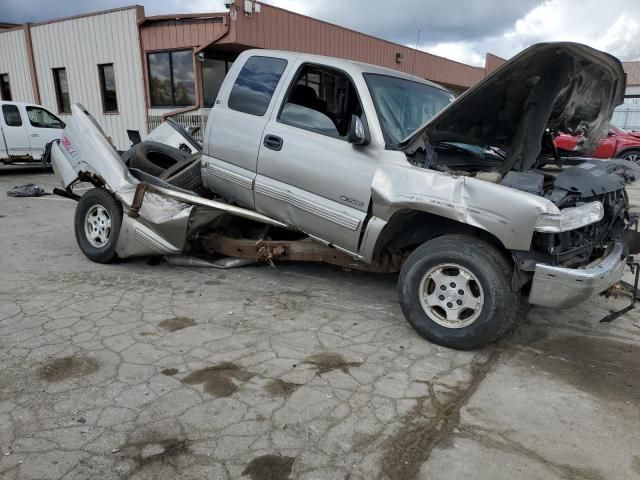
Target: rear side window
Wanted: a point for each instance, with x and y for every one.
(11, 116)
(255, 85)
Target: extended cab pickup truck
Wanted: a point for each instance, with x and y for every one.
(320, 159)
(25, 130)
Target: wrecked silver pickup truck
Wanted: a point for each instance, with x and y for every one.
(309, 158)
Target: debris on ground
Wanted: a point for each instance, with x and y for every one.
(28, 190)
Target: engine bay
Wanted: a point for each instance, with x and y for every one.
(567, 182)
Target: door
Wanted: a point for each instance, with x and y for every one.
(14, 131)
(309, 175)
(42, 127)
(236, 123)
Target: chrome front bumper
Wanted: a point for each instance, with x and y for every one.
(558, 287)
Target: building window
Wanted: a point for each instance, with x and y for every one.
(213, 73)
(171, 79)
(255, 85)
(5, 87)
(11, 116)
(41, 118)
(62, 90)
(108, 88)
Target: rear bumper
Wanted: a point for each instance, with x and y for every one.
(558, 287)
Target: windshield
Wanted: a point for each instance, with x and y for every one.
(403, 106)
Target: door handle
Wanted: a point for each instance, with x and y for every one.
(273, 142)
(35, 135)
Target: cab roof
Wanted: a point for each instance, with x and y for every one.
(350, 66)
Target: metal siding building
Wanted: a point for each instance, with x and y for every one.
(224, 35)
(80, 45)
(275, 28)
(14, 61)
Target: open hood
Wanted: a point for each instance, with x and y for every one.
(565, 87)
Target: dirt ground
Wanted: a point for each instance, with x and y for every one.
(145, 370)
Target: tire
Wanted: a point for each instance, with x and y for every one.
(630, 155)
(187, 176)
(154, 158)
(457, 258)
(96, 207)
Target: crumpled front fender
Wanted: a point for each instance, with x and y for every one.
(507, 214)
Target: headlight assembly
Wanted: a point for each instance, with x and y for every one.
(570, 218)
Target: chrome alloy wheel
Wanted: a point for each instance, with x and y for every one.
(634, 157)
(97, 226)
(451, 295)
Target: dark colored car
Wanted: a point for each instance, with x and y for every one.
(617, 144)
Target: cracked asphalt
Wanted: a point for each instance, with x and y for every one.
(149, 371)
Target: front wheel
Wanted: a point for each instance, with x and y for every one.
(97, 225)
(456, 291)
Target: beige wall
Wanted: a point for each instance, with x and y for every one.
(14, 61)
(280, 29)
(80, 45)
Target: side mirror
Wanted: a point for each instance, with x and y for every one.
(611, 133)
(358, 132)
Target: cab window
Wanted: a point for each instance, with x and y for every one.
(41, 118)
(321, 99)
(11, 116)
(256, 82)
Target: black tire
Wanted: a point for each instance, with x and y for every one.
(154, 158)
(493, 271)
(98, 197)
(185, 175)
(630, 153)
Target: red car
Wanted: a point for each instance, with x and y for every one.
(618, 144)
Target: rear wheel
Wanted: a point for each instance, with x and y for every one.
(456, 291)
(631, 155)
(97, 225)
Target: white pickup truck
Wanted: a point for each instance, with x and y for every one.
(25, 130)
(312, 158)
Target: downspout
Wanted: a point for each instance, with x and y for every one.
(32, 63)
(198, 73)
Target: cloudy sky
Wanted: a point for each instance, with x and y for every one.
(462, 30)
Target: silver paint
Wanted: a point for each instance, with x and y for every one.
(161, 225)
(557, 287)
(507, 214)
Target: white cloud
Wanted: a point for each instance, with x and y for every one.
(460, 51)
(612, 26)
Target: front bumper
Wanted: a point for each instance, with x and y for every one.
(559, 287)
